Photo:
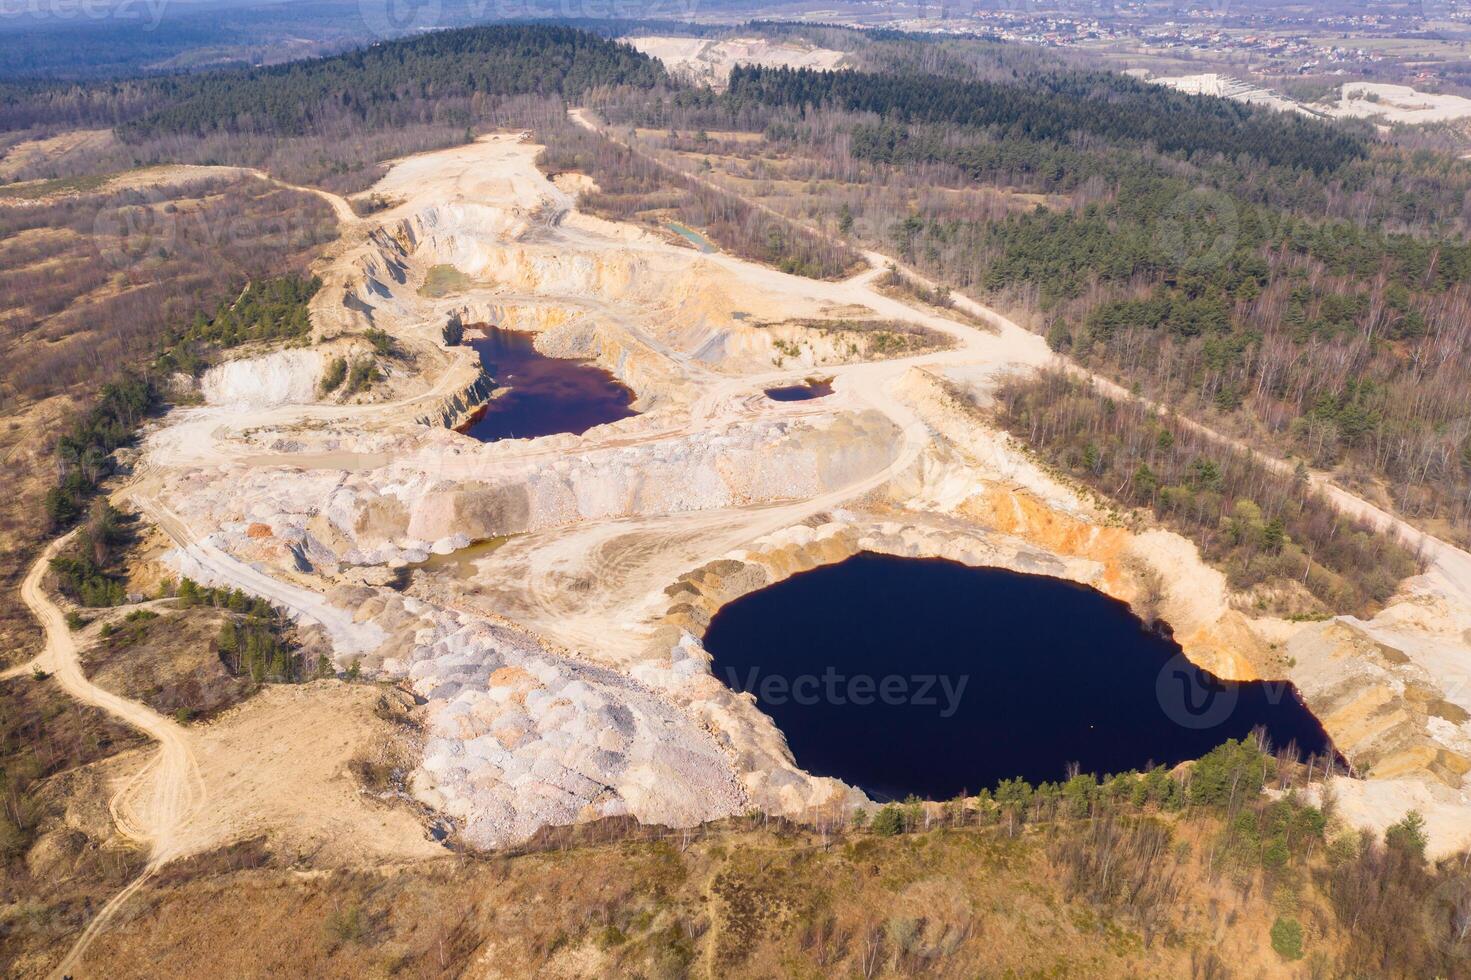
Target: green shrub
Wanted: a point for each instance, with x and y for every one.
(347, 925)
(335, 374)
(363, 374)
(611, 936)
(1287, 938)
(382, 343)
(888, 821)
(1230, 774)
(1408, 836)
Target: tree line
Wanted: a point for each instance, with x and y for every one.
(87, 572)
(1269, 531)
(1135, 845)
(378, 85)
(255, 638)
(382, 85)
(274, 309)
(332, 121)
(1052, 107)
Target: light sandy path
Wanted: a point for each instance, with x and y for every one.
(346, 217)
(488, 171)
(158, 800)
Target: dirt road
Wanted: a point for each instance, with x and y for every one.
(154, 805)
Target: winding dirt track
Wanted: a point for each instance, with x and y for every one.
(157, 801)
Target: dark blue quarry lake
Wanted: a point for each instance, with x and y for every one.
(807, 390)
(903, 675)
(548, 394)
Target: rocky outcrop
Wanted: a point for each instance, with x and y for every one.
(518, 737)
(772, 779)
(286, 377)
(1385, 713)
(559, 681)
(458, 408)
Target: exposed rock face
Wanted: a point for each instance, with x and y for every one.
(773, 780)
(287, 377)
(451, 487)
(1386, 714)
(519, 735)
(519, 738)
(457, 409)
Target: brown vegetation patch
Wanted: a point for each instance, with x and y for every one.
(133, 264)
(120, 271)
(879, 338)
(171, 663)
(1100, 896)
(632, 186)
(54, 822)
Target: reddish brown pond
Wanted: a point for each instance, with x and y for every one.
(548, 394)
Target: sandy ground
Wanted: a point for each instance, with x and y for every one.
(278, 765)
(1383, 102)
(52, 149)
(708, 61)
(593, 585)
(1398, 104)
(152, 805)
(172, 175)
(1224, 86)
(1430, 627)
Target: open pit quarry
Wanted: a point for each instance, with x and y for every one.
(544, 599)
